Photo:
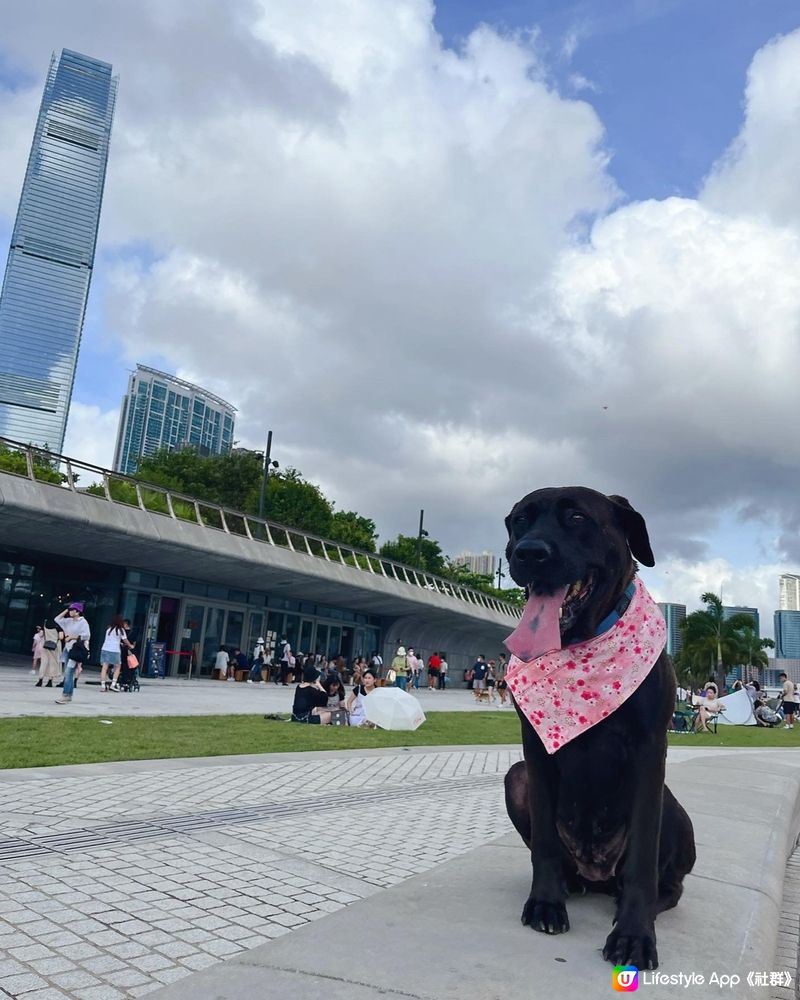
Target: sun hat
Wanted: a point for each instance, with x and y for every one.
(76, 606)
(401, 650)
(260, 639)
(310, 674)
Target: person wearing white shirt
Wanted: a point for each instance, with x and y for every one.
(75, 627)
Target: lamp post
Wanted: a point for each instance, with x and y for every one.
(268, 462)
(422, 534)
(500, 574)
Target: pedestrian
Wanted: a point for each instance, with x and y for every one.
(258, 663)
(50, 662)
(36, 648)
(415, 666)
(400, 668)
(491, 679)
(77, 635)
(789, 705)
(128, 661)
(479, 670)
(443, 668)
(111, 653)
(376, 665)
(434, 665)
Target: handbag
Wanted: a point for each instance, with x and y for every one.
(133, 661)
(78, 653)
(49, 644)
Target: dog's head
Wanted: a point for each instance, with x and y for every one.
(576, 537)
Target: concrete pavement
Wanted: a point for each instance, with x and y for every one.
(197, 878)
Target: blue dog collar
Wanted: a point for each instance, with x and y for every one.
(619, 610)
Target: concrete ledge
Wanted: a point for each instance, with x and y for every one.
(454, 933)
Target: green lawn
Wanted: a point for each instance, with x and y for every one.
(40, 742)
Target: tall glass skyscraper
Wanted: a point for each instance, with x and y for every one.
(162, 412)
(49, 267)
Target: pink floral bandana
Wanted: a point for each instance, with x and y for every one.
(564, 692)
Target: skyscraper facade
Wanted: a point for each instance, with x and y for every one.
(728, 611)
(50, 262)
(789, 592)
(673, 614)
(162, 412)
(787, 635)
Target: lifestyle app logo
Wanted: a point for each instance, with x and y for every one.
(625, 978)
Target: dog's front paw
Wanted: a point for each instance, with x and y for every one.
(550, 918)
(632, 947)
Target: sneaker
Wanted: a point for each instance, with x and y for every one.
(114, 687)
(38, 684)
(787, 726)
(49, 684)
(103, 687)
(65, 699)
(249, 681)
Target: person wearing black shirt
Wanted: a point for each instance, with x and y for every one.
(310, 700)
(479, 676)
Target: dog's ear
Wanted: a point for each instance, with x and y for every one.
(635, 531)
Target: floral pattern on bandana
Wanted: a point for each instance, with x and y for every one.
(567, 691)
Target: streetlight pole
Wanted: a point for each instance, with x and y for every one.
(265, 478)
(422, 534)
(500, 574)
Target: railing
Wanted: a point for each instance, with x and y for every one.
(43, 466)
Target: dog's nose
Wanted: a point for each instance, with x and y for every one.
(533, 552)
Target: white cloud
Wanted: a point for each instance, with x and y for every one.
(91, 436)
(411, 263)
(758, 173)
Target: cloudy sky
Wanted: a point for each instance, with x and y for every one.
(452, 254)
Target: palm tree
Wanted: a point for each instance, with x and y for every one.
(711, 639)
(753, 647)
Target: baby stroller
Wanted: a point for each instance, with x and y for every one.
(129, 676)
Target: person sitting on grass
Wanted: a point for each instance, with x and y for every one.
(310, 700)
(355, 703)
(336, 693)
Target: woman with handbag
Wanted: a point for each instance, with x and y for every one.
(110, 654)
(50, 659)
(76, 644)
(126, 671)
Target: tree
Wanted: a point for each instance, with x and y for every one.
(754, 647)
(353, 529)
(404, 549)
(227, 480)
(293, 501)
(712, 641)
(44, 468)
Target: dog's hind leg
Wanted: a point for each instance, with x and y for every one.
(676, 852)
(516, 784)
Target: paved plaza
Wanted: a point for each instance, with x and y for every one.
(174, 696)
(199, 877)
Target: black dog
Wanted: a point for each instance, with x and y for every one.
(596, 813)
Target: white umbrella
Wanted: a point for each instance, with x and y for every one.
(391, 708)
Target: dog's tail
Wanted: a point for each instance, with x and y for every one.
(516, 785)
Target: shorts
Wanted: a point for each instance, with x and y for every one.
(789, 708)
(490, 684)
(478, 685)
(110, 656)
(502, 685)
(311, 720)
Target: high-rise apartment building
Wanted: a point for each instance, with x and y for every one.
(673, 614)
(482, 563)
(789, 592)
(162, 412)
(787, 635)
(50, 262)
